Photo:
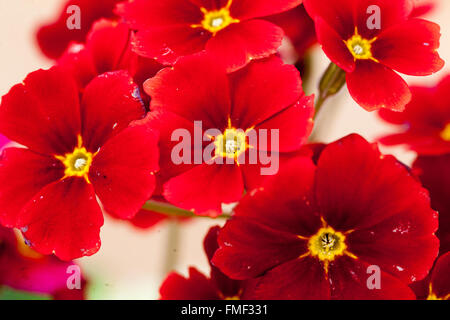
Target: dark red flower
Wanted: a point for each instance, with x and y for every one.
(437, 285)
(54, 38)
(199, 287)
(319, 231)
(22, 268)
(107, 48)
(78, 149)
(298, 27)
(265, 97)
(434, 172)
(230, 30)
(425, 124)
(370, 42)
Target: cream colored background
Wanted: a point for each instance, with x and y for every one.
(130, 264)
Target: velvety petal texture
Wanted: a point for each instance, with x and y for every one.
(107, 48)
(70, 229)
(79, 148)
(228, 30)
(53, 38)
(264, 100)
(23, 173)
(434, 173)
(424, 126)
(369, 203)
(371, 39)
(43, 112)
(110, 102)
(123, 172)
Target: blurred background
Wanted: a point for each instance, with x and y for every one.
(132, 263)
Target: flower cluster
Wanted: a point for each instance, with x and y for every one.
(175, 108)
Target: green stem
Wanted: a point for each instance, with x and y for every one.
(331, 83)
(172, 211)
(318, 106)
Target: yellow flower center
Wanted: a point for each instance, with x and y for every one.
(23, 249)
(360, 48)
(445, 134)
(78, 162)
(326, 244)
(231, 144)
(216, 20)
(433, 296)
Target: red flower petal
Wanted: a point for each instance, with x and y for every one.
(440, 279)
(168, 43)
(141, 69)
(253, 174)
(410, 48)
(294, 124)
(263, 89)
(298, 27)
(392, 13)
(382, 210)
(442, 91)
(23, 174)
(420, 143)
(108, 43)
(204, 188)
(122, 173)
(291, 215)
(226, 286)
(195, 287)
(353, 177)
(414, 110)
(77, 61)
(395, 244)
(165, 123)
(359, 190)
(338, 15)
(367, 86)
(434, 172)
(107, 48)
(110, 102)
(146, 219)
(247, 9)
(299, 279)
(43, 112)
(350, 279)
(333, 46)
(54, 38)
(189, 89)
(141, 14)
(422, 127)
(238, 44)
(254, 248)
(64, 218)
